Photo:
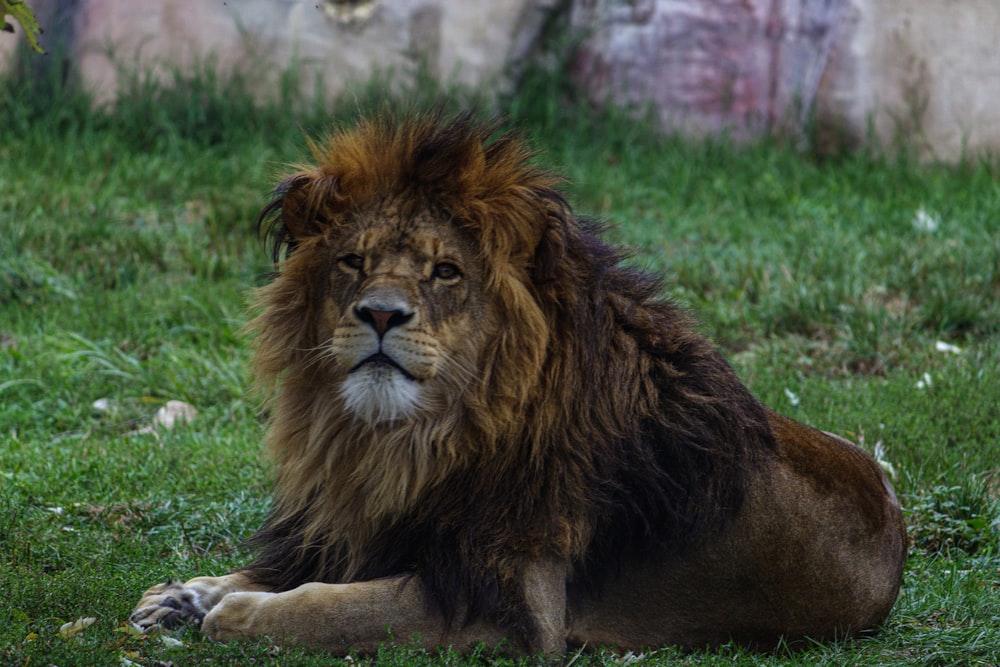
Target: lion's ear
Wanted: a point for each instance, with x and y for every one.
(304, 198)
(551, 247)
(298, 210)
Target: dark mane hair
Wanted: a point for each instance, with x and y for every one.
(601, 422)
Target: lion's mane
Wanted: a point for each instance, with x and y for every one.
(599, 423)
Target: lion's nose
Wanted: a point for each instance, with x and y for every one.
(382, 320)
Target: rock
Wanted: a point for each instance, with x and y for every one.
(744, 67)
(330, 43)
(925, 73)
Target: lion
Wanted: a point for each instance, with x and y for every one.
(488, 429)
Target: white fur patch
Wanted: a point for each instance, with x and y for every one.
(379, 393)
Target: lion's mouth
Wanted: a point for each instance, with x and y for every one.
(381, 359)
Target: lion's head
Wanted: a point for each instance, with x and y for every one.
(413, 250)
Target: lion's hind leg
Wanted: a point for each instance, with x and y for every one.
(170, 604)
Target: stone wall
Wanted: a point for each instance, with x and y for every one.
(925, 72)
(744, 67)
(328, 43)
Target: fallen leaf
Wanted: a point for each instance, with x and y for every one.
(76, 627)
(101, 405)
(792, 398)
(174, 412)
(925, 222)
(170, 415)
(129, 630)
(942, 346)
(924, 382)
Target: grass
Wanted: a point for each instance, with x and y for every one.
(127, 246)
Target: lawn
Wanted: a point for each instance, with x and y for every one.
(859, 294)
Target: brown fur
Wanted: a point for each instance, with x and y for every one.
(578, 458)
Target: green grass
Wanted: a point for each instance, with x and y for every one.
(127, 247)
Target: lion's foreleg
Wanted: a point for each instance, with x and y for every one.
(342, 617)
(360, 616)
(169, 604)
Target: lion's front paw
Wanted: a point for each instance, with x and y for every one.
(166, 606)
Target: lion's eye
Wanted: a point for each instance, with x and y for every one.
(446, 271)
(353, 262)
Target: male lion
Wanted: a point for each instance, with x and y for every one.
(487, 428)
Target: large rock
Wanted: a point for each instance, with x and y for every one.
(706, 66)
(330, 43)
(926, 73)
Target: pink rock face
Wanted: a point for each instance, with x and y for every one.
(707, 66)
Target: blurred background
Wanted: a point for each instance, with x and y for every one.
(847, 71)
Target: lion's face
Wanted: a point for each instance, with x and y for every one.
(411, 294)
(405, 311)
